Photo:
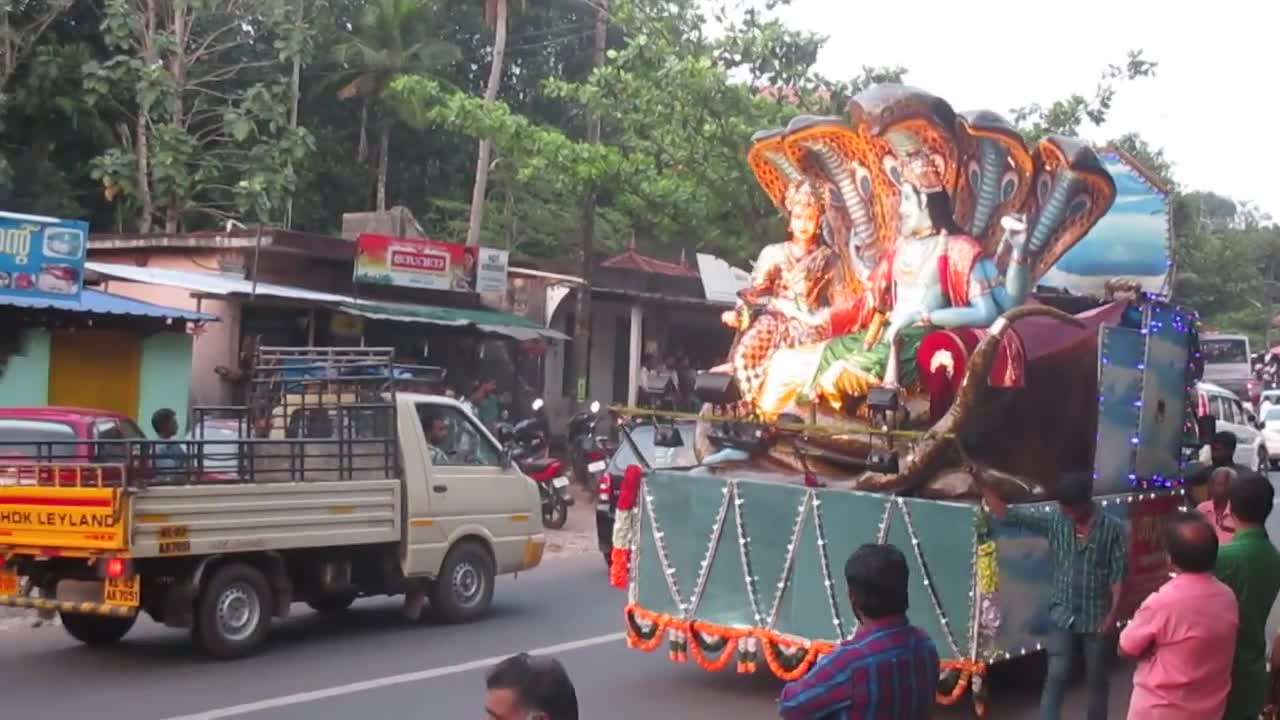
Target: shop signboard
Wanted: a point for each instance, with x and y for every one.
(41, 257)
(429, 264)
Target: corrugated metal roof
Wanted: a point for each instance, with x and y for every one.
(501, 323)
(96, 302)
(223, 284)
(209, 283)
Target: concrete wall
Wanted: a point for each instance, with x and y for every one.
(25, 381)
(219, 344)
(164, 374)
(165, 377)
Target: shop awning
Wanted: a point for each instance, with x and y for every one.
(96, 302)
(209, 283)
(490, 321)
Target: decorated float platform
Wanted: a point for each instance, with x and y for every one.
(738, 563)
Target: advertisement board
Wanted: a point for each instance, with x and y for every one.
(1131, 242)
(41, 257)
(429, 264)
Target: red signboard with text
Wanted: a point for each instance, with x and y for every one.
(1148, 560)
(431, 264)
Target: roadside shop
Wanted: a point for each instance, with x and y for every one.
(64, 344)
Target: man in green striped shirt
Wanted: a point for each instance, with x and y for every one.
(1090, 558)
(1250, 566)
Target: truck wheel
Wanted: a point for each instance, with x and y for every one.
(464, 589)
(97, 629)
(332, 604)
(233, 612)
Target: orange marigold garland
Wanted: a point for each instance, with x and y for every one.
(635, 634)
(778, 666)
(731, 639)
(620, 567)
(961, 672)
(728, 651)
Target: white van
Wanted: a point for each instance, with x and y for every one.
(1234, 417)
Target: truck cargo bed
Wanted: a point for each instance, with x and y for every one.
(205, 519)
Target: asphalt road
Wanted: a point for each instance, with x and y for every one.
(373, 664)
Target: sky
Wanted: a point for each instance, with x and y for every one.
(1212, 105)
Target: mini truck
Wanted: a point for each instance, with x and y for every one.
(338, 487)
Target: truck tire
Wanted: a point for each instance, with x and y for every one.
(464, 589)
(332, 604)
(97, 630)
(233, 612)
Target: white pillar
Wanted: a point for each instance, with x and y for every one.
(634, 350)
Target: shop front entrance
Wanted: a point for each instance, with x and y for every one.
(96, 369)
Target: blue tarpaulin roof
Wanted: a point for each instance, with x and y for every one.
(96, 302)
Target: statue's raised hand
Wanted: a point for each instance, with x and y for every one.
(1015, 231)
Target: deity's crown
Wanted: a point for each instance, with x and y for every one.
(917, 166)
(802, 191)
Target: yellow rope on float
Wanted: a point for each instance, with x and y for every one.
(806, 428)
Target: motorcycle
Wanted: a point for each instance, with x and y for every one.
(587, 455)
(527, 443)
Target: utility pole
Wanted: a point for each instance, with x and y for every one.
(295, 98)
(582, 315)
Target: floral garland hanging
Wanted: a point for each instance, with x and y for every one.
(625, 524)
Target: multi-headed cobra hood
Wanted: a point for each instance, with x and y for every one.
(897, 134)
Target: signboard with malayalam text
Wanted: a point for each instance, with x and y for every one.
(429, 264)
(42, 257)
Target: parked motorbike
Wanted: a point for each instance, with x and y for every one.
(587, 454)
(527, 443)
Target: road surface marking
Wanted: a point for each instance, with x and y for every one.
(388, 681)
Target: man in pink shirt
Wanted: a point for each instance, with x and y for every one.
(1217, 509)
(1184, 635)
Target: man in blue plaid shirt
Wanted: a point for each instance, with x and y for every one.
(1090, 558)
(888, 670)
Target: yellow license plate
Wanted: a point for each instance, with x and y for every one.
(8, 583)
(123, 591)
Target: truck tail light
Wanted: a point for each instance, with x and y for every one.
(116, 567)
(605, 488)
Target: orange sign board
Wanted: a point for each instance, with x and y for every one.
(82, 518)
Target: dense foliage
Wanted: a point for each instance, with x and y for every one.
(184, 114)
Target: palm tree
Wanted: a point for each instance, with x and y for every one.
(495, 13)
(389, 38)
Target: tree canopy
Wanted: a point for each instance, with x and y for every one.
(150, 114)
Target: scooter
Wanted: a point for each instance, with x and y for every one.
(527, 443)
(587, 456)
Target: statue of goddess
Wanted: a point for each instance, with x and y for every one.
(788, 287)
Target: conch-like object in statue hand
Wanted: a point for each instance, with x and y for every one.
(1015, 230)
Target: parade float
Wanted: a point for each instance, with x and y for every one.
(916, 333)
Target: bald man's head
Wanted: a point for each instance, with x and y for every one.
(1191, 542)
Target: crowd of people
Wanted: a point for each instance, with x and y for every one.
(1199, 642)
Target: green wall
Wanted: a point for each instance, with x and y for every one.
(25, 381)
(166, 377)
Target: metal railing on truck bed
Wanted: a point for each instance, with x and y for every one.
(313, 415)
